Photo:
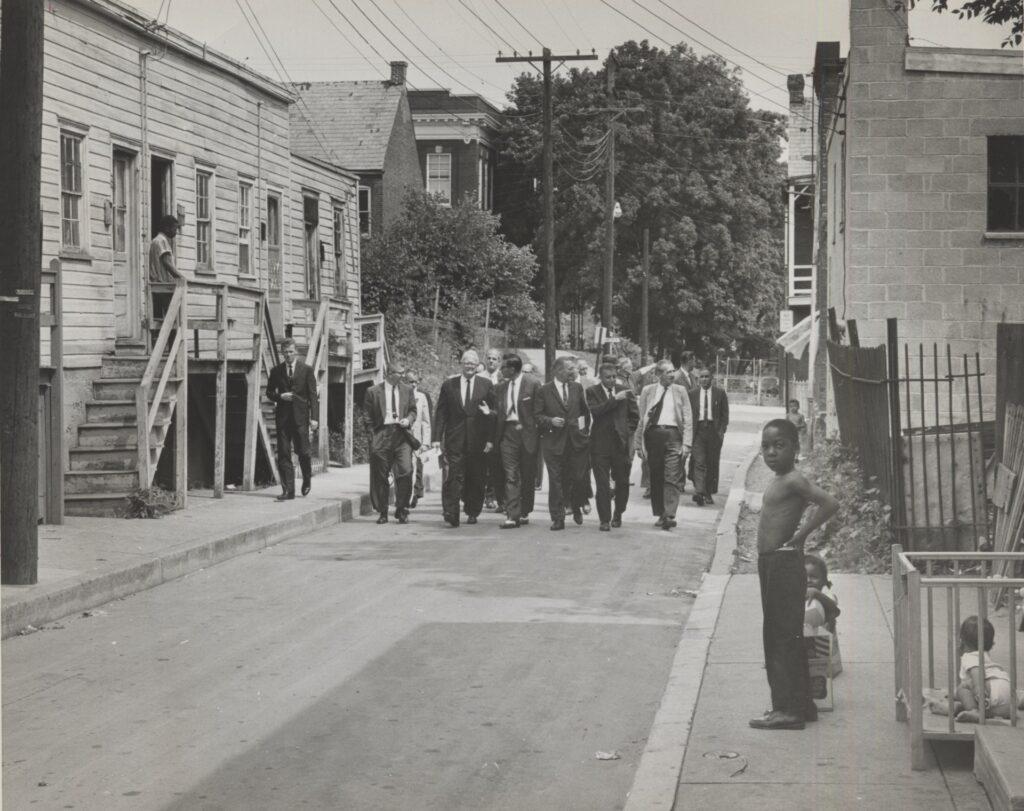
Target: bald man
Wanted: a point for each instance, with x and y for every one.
(462, 429)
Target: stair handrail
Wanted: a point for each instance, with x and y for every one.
(174, 321)
(319, 336)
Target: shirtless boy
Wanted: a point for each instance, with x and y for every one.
(780, 567)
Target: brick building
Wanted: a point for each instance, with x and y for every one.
(456, 138)
(921, 185)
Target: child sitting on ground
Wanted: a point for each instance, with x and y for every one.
(972, 694)
(821, 608)
(783, 576)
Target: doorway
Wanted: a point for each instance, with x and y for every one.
(126, 255)
(311, 220)
(161, 202)
(273, 239)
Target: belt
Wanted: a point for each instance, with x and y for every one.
(663, 428)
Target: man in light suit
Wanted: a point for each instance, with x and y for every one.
(292, 388)
(391, 410)
(710, 406)
(421, 432)
(614, 411)
(494, 485)
(516, 438)
(564, 421)
(663, 438)
(463, 430)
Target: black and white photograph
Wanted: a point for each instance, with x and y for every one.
(512, 405)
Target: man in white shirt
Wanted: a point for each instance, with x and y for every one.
(494, 485)
(710, 406)
(663, 438)
(162, 270)
(391, 409)
(420, 430)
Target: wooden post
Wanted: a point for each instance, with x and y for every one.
(55, 489)
(181, 407)
(645, 289)
(1009, 376)
(899, 507)
(253, 382)
(21, 260)
(323, 381)
(852, 332)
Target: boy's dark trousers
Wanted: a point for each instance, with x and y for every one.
(783, 594)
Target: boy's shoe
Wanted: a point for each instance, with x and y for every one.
(778, 720)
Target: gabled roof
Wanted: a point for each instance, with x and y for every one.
(352, 120)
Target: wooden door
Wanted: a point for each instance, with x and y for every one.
(273, 238)
(125, 253)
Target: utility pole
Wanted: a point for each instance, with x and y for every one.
(645, 288)
(609, 205)
(21, 259)
(550, 298)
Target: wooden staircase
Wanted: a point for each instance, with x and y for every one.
(104, 464)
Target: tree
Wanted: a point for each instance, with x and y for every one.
(458, 251)
(696, 165)
(993, 12)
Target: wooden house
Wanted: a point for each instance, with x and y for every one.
(140, 121)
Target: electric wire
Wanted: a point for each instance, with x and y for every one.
(486, 25)
(377, 68)
(519, 22)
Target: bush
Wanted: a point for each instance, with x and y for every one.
(858, 538)
(152, 502)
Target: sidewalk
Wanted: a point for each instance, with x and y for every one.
(87, 562)
(856, 756)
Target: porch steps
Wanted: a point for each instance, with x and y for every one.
(103, 465)
(998, 753)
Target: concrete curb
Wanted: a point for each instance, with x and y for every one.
(66, 598)
(657, 776)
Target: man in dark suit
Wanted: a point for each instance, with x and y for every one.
(463, 430)
(564, 421)
(292, 388)
(516, 438)
(615, 414)
(391, 409)
(710, 406)
(531, 371)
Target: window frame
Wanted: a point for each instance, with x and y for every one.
(75, 196)
(365, 214)
(446, 199)
(246, 188)
(1016, 186)
(205, 222)
(340, 235)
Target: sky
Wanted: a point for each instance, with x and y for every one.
(453, 43)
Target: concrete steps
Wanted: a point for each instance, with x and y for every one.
(998, 754)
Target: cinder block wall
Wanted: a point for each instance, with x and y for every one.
(915, 191)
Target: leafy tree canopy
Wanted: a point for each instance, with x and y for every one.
(694, 163)
(458, 251)
(994, 12)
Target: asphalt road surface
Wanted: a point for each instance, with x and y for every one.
(366, 667)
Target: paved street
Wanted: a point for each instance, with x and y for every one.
(368, 667)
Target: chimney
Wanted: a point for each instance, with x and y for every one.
(795, 83)
(398, 72)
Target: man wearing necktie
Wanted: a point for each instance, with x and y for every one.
(663, 437)
(463, 430)
(391, 409)
(564, 421)
(292, 388)
(710, 406)
(515, 438)
(614, 410)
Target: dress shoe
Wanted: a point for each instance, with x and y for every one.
(577, 516)
(471, 519)
(586, 509)
(557, 525)
(778, 720)
(509, 524)
(617, 520)
(605, 527)
(403, 517)
(499, 508)
(537, 486)
(453, 523)
(285, 497)
(660, 522)
(489, 504)
(668, 523)
(647, 493)
(414, 502)
(524, 521)
(698, 500)
(382, 520)
(708, 500)
(306, 488)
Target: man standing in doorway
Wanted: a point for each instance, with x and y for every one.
(515, 437)
(614, 410)
(162, 270)
(710, 406)
(292, 388)
(391, 409)
(463, 430)
(564, 420)
(661, 439)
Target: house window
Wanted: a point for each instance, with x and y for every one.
(439, 175)
(71, 190)
(245, 229)
(339, 252)
(364, 211)
(1006, 183)
(122, 164)
(204, 221)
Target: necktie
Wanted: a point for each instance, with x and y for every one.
(465, 392)
(656, 411)
(512, 406)
(291, 371)
(565, 393)
(394, 404)
(707, 404)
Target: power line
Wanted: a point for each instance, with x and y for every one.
(519, 22)
(486, 25)
(561, 28)
(352, 44)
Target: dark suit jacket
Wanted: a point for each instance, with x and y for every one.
(376, 408)
(464, 428)
(526, 409)
(614, 420)
(719, 407)
(550, 405)
(304, 406)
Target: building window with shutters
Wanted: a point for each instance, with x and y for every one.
(339, 252)
(245, 229)
(204, 221)
(364, 211)
(1006, 183)
(71, 202)
(439, 176)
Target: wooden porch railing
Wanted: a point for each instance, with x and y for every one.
(51, 324)
(371, 352)
(333, 315)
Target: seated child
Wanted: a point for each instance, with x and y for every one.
(821, 608)
(972, 694)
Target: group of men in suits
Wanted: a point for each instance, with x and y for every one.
(494, 426)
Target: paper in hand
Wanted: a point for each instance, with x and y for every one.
(583, 423)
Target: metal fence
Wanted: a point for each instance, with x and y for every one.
(750, 380)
